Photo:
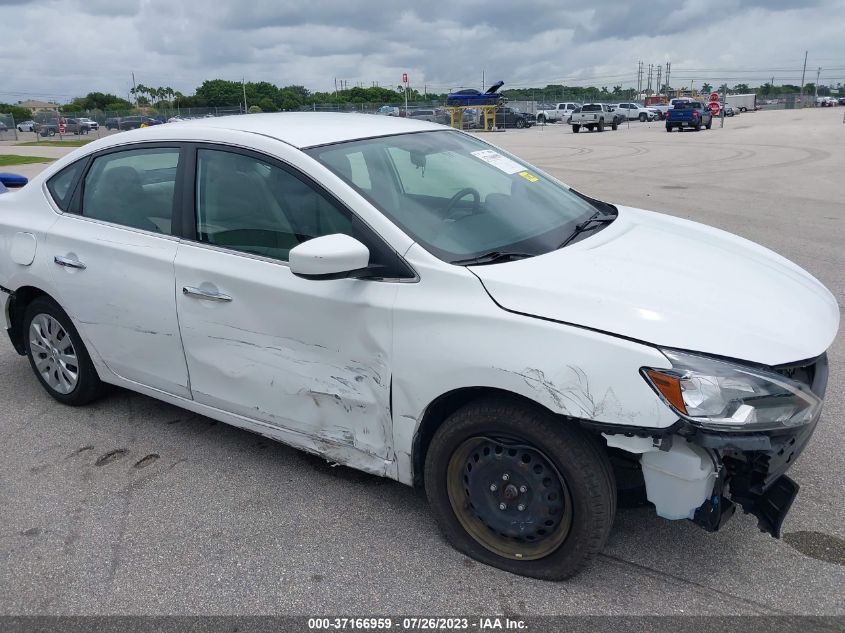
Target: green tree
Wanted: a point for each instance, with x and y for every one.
(706, 87)
(17, 112)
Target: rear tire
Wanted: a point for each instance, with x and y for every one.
(575, 128)
(57, 354)
(668, 128)
(601, 125)
(614, 126)
(523, 457)
(520, 123)
(709, 124)
(541, 119)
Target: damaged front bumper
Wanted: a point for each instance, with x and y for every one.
(703, 475)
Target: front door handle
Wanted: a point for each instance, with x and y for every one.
(66, 262)
(199, 293)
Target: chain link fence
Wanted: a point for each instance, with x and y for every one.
(8, 128)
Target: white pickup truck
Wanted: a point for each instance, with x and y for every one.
(557, 112)
(593, 116)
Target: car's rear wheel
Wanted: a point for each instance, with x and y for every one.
(709, 124)
(668, 128)
(57, 354)
(614, 126)
(519, 489)
(576, 128)
(601, 125)
(520, 123)
(541, 118)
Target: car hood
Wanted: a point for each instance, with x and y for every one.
(674, 283)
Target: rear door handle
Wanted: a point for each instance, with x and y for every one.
(66, 262)
(209, 295)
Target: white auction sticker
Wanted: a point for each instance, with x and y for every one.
(498, 161)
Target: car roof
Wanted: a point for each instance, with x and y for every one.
(300, 129)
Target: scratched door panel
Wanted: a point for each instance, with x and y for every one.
(303, 355)
(123, 300)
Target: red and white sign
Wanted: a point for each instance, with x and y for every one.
(404, 78)
(714, 108)
(61, 126)
(714, 96)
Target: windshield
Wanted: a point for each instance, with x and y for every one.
(457, 196)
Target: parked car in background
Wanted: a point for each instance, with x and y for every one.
(661, 111)
(557, 112)
(91, 123)
(3, 127)
(26, 126)
(134, 122)
(435, 115)
(472, 97)
(513, 117)
(432, 311)
(112, 123)
(47, 128)
(636, 112)
(76, 126)
(388, 110)
(728, 109)
(691, 114)
(609, 108)
(593, 116)
(841, 101)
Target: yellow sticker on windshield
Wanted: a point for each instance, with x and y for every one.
(529, 176)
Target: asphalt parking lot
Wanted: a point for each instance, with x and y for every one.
(132, 506)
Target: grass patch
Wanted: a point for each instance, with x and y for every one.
(8, 159)
(73, 142)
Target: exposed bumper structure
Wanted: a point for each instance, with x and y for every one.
(702, 475)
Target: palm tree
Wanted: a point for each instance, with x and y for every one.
(706, 87)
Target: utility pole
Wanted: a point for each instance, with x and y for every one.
(659, 72)
(818, 74)
(243, 84)
(668, 69)
(802, 78)
(482, 80)
(134, 93)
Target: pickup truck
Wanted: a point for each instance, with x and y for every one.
(689, 114)
(593, 116)
(557, 112)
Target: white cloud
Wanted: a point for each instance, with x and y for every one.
(97, 44)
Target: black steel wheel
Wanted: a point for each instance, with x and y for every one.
(518, 488)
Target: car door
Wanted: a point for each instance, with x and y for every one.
(312, 357)
(113, 252)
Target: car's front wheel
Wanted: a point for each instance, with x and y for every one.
(520, 123)
(57, 354)
(643, 117)
(541, 119)
(520, 489)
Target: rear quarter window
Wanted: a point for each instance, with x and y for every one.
(62, 185)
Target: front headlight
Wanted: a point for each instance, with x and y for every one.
(723, 395)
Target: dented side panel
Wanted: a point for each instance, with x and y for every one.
(307, 356)
(451, 335)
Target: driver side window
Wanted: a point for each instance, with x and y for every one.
(249, 205)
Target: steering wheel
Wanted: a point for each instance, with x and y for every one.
(463, 193)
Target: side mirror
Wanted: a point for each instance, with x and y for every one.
(329, 257)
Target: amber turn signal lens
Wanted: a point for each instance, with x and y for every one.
(669, 387)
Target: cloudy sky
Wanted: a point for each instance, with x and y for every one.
(59, 49)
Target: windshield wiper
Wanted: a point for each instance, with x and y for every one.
(593, 222)
(493, 257)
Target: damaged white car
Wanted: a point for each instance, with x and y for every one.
(408, 300)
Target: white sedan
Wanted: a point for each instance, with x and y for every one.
(411, 301)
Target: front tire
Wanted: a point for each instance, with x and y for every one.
(614, 126)
(541, 119)
(601, 125)
(515, 487)
(643, 117)
(520, 123)
(57, 354)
